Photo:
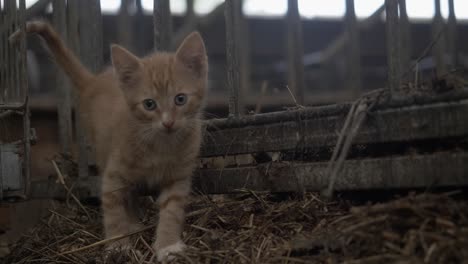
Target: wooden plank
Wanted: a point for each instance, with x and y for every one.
(419, 171)
(61, 83)
(233, 58)
(393, 46)
(162, 25)
(73, 20)
(405, 37)
(295, 51)
(91, 44)
(317, 127)
(25, 98)
(442, 169)
(353, 58)
(125, 24)
(452, 35)
(438, 36)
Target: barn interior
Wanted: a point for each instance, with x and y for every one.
(331, 136)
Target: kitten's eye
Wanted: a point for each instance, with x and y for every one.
(180, 99)
(149, 104)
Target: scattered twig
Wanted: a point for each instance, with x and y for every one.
(62, 181)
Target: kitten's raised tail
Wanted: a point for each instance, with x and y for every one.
(65, 58)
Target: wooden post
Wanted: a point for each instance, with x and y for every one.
(233, 58)
(62, 86)
(393, 46)
(405, 37)
(124, 21)
(452, 36)
(3, 47)
(162, 25)
(74, 44)
(91, 34)
(244, 53)
(90, 21)
(353, 58)
(23, 83)
(438, 36)
(190, 10)
(295, 51)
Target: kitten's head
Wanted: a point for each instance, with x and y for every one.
(165, 90)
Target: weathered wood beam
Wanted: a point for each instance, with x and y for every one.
(64, 107)
(393, 46)
(438, 36)
(295, 51)
(405, 37)
(233, 10)
(420, 171)
(317, 127)
(91, 46)
(73, 21)
(353, 58)
(162, 25)
(452, 35)
(443, 169)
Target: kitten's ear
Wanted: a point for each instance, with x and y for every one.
(126, 65)
(192, 54)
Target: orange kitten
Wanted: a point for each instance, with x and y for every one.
(143, 117)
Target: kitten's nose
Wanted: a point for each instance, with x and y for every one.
(168, 124)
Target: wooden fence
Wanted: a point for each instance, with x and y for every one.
(290, 150)
(15, 132)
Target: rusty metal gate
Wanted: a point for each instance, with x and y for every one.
(15, 132)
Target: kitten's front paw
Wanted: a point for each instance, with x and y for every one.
(164, 254)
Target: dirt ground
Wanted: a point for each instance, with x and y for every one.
(269, 228)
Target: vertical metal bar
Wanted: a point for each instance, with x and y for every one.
(232, 55)
(393, 46)
(162, 25)
(405, 37)
(353, 58)
(91, 50)
(438, 36)
(25, 94)
(62, 86)
(295, 51)
(452, 35)
(74, 44)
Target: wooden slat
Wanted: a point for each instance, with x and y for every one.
(233, 41)
(452, 35)
(353, 58)
(91, 44)
(61, 83)
(443, 169)
(317, 127)
(405, 37)
(162, 25)
(295, 51)
(393, 45)
(438, 36)
(74, 44)
(420, 171)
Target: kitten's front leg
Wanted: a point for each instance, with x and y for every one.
(172, 203)
(120, 215)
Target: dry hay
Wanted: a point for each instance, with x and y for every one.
(270, 228)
